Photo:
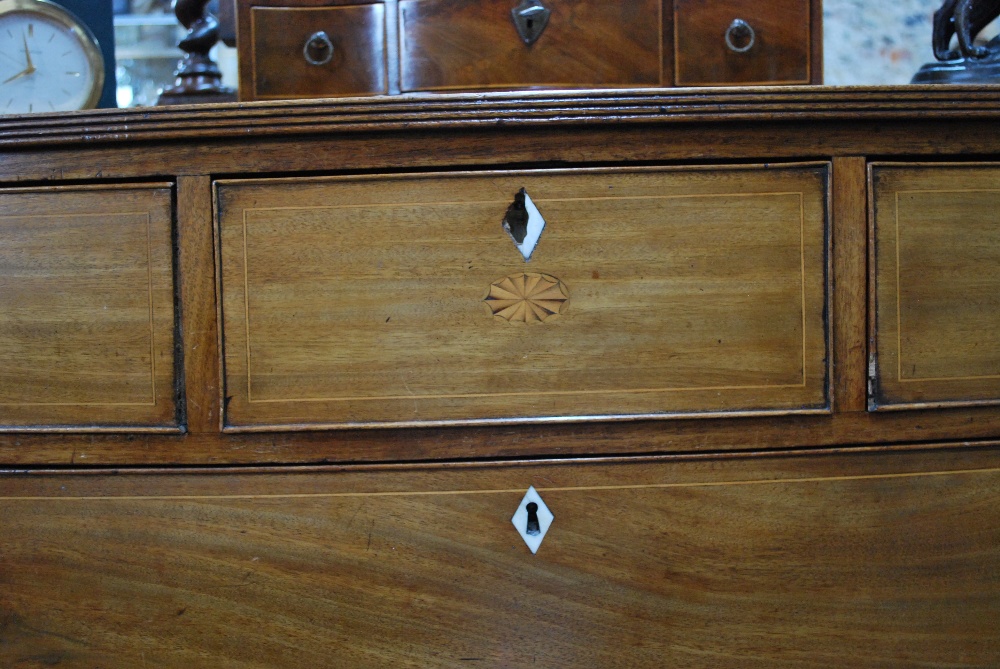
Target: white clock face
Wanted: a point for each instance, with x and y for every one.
(44, 65)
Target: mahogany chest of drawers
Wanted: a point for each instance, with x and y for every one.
(326, 48)
(274, 379)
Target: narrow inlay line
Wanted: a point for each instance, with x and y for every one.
(505, 491)
(534, 393)
(899, 295)
(150, 304)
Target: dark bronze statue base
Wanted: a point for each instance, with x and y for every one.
(963, 70)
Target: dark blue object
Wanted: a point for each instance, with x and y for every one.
(96, 14)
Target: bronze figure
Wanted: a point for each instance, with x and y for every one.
(964, 18)
(970, 62)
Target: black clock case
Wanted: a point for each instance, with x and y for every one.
(97, 15)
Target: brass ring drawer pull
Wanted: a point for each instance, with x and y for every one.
(740, 36)
(318, 49)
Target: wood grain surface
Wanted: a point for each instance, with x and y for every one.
(845, 112)
(867, 561)
(451, 44)
(361, 301)
(86, 307)
(837, 537)
(781, 51)
(199, 324)
(516, 132)
(850, 299)
(276, 68)
(937, 284)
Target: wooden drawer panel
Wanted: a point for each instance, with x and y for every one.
(779, 51)
(363, 301)
(455, 44)
(86, 307)
(937, 285)
(855, 562)
(280, 69)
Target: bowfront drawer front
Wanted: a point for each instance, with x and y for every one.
(825, 562)
(306, 52)
(394, 300)
(937, 285)
(743, 42)
(456, 44)
(86, 307)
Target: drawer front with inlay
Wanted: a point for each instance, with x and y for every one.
(937, 285)
(868, 563)
(454, 44)
(406, 300)
(86, 307)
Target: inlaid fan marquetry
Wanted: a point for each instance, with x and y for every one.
(527, 297)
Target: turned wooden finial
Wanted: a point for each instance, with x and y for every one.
(197, 74)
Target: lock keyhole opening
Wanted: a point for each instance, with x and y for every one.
(533, 528)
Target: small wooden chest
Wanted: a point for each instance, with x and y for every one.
(327, 48)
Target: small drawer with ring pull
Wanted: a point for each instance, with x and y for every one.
(744, 42)
(307, 52)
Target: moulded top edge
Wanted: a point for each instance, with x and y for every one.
(501, 109)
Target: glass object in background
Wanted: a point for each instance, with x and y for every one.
(146, 37)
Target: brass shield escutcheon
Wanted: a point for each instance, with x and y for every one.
(530, 18)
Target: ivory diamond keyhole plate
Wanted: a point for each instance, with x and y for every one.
(524, 223)
(532, 519)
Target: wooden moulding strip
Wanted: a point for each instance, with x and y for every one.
(393, 113)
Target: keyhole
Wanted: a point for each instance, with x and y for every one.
(515, 221)
(531, 26)
(533, 529)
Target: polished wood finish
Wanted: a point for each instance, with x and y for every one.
(866, 560)
(458, 45)
(455, 44)
(279, 68)
(197, 290)
(937, 285)
(646, 125)
(86, 307)
(830, 536)
(779, 51)
(707, 297)
(530, 131)
(849, 327)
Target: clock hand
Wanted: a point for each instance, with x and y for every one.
(17, 76)
(30, 69)
(27, 55)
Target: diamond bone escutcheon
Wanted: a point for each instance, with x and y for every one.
(532, 519)
(524, 223)
(528, 297)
